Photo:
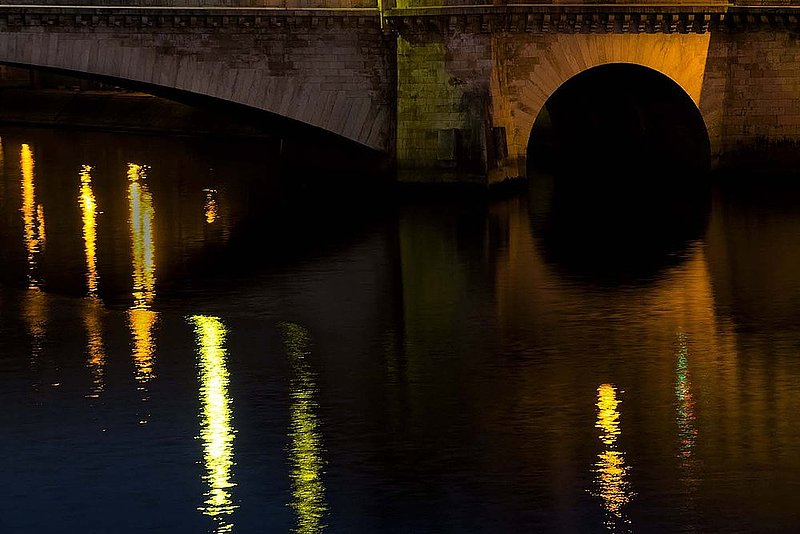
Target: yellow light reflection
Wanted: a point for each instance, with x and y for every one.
(40, 218)
(141, 323)
(685, 401)
(94, 344)
(216, 429)
(35, 312)
(141, 319)
(685, 415)
(141, 221)
(89, 213)
(210, 206)
(308, 491)
(610, 469)
(32, 216)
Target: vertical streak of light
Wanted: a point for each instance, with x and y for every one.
(35, 314)
(141, 322)
(210, 206)
(141, 318)
(35, 303)
(32, 216)
(308, 490)
(94, 344)
(93, 310)
(40, 219)
(216, 428)
(610, 469)
(89, 213)
(141, 221)
(685, 415)
(685, 400)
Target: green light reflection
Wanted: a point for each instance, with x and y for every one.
(305, 453)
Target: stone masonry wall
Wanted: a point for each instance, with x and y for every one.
(467, 102)
(761, 112)
(442, 104)
(333, 70)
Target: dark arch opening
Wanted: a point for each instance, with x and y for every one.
(618, 158)
(619, 119)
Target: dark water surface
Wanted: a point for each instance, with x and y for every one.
(183, 349)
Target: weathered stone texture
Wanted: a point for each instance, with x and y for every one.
(761, 107)
(332, 70)
(443, 98)
(489, 89)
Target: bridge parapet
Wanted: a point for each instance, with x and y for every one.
(20, 16)
(167, 4)
(403, 4)
(540, 18)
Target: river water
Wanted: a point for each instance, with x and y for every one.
(190, 344)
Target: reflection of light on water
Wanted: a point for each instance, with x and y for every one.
(140, 317)
(32, 216)
(308, 491)
(216, 429)
(94, 344)
(610, 469)
(35, 303)
(89, 214)
(685, 418)
(141, 322)
(40, 218)
(210, 207)
(685, 401)
(141, 220)
(35, 314)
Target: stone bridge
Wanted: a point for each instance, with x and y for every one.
(449, 92)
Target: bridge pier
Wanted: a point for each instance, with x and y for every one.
(451, 117)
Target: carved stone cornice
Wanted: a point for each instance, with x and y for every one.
(18, 17)
(741, 18)
(532, 18)
(591, 18)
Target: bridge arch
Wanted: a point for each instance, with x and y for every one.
(545, 65)
(327, 69)
(619, 118)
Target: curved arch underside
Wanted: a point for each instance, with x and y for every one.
(544, 63)
(333, 78)
(622, 119)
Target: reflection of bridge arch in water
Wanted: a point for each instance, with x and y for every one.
(610, 243)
